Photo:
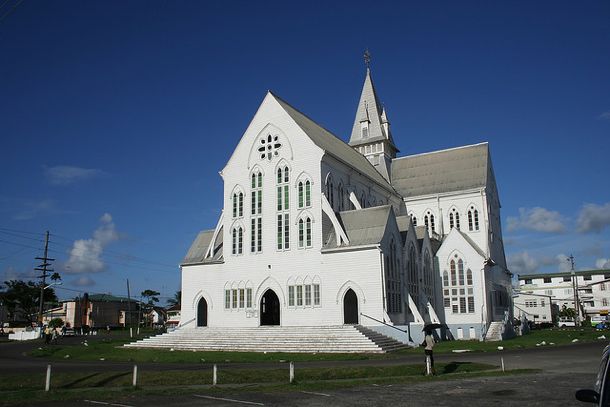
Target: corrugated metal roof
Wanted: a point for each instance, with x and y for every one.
(442, 171)
(200, 245)
(333, 145)
(365, 226)
(566, 274)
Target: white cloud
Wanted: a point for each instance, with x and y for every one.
(66, 175)
(86, 254)
(83, 281)
(602, 264)
(593, 218)
(32, 209)
(537, 219)
(605, 115)
(522, 263)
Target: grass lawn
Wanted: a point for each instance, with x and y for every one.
(116, 386)
(110, 349)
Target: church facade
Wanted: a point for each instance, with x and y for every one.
(318, 232)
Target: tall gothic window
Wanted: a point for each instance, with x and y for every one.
(412, 282)
(429, 222)
(283, 207)
(238, 240)
(473, 219)
(256, 211)
(330, 191)
(454, 219)
(459, 294)
(393, 280)
(305, 232)
(304, 192)
(238, 204)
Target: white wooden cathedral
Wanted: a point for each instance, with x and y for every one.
(317, 232)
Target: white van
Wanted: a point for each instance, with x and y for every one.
(566, 321)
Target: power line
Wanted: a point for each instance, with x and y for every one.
(20, 236)
(11, 10)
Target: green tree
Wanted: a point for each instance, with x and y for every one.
(567, 312)
(22, 299)
(176, 299)
(149, 299)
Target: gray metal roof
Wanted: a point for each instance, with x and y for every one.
(442, 171)
(334, 145)
(199, 247)
(566, 274)
(365, 226)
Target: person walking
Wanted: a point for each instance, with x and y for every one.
(429, 341)
(47, 334)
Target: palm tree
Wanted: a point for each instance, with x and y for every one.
(176, 299)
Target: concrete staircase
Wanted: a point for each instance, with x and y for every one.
(494, 332)
(325, 339)
(386, 343)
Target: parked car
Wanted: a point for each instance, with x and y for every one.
(565, 321)
(598, 319)
(600, 394)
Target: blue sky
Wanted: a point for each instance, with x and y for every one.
(115, 117)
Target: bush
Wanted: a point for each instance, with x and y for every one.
(56, 323)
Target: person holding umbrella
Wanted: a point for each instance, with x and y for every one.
(429, 346)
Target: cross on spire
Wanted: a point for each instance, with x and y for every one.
(367, 58)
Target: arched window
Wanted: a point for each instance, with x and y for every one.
(238, 240)
(305, 232)
(445, 279)
(301, 193)
(412, 282)
(459, 295)
(457, 220)
(451, 221)
(476, 219)
(414, 220)
(340, 196)
(453, 273)
(329, 191)
(256, 211)
(283, 207)
(238, 204)
(473, 219)
(308, 193)
(454, 219)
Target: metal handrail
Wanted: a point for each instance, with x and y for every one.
(381, 322)
(187, 322)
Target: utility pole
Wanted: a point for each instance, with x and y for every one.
(128, 305)
(575, 289)
(44, 268)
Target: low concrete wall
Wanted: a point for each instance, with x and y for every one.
(21, 334)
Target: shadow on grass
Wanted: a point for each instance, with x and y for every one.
(110, 379)
(77, 381)
(452, 367)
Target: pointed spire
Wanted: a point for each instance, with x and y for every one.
(370, 123)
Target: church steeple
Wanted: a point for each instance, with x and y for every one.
(371, 133)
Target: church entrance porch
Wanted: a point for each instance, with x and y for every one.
(202, 312)
(270, 309)
(350, 307)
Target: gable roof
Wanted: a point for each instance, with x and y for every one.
(365, 226)
(198, 249)
(442, 171)
(333, 145)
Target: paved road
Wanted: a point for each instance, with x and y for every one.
(565, 369)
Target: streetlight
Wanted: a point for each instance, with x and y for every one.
(42, 295)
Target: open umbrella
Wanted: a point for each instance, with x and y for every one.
(429, 327)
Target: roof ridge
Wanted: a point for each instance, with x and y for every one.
(443, 150)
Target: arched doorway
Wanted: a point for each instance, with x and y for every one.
(202, 312)
(350, 307)
(270, 309)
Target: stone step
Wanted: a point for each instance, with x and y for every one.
(335, 339)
